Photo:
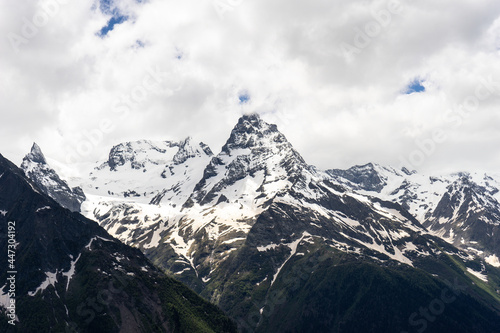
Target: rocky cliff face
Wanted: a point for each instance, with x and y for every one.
(365, 177)
(468, 215)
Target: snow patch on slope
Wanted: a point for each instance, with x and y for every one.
(43, 208)
(479, 275)
(4, 297)
(293, 249)
(89, 245)
(51, 280)
(493, 260)
(69, 274)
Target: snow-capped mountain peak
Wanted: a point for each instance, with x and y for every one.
(257, 159)
(36, 168)
(468, 213)
(189, 150)
(368, 177)
(36, 155)
(250, 132)
(143, 169)
(139, 154)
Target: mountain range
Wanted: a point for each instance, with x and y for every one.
(281, 246)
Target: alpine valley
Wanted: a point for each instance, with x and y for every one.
(277, 244)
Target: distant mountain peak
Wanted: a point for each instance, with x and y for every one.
(151, 171)
(188, 149)
(142, 153)
(365, 176)
(408, 172)
(36, 168)
(125, 152)
(253, 147)
(253, 118)
(252, 131)
(36, 154)
(253, 122)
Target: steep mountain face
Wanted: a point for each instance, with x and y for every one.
(363, 177)
(67, 274)
(36, 168)
(257, 150)
(468, 215)
(261, 231)
(461, 208)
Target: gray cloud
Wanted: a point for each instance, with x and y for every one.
(65, 84)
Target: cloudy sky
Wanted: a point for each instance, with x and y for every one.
(413, 83)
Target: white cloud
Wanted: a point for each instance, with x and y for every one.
(337, 110)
